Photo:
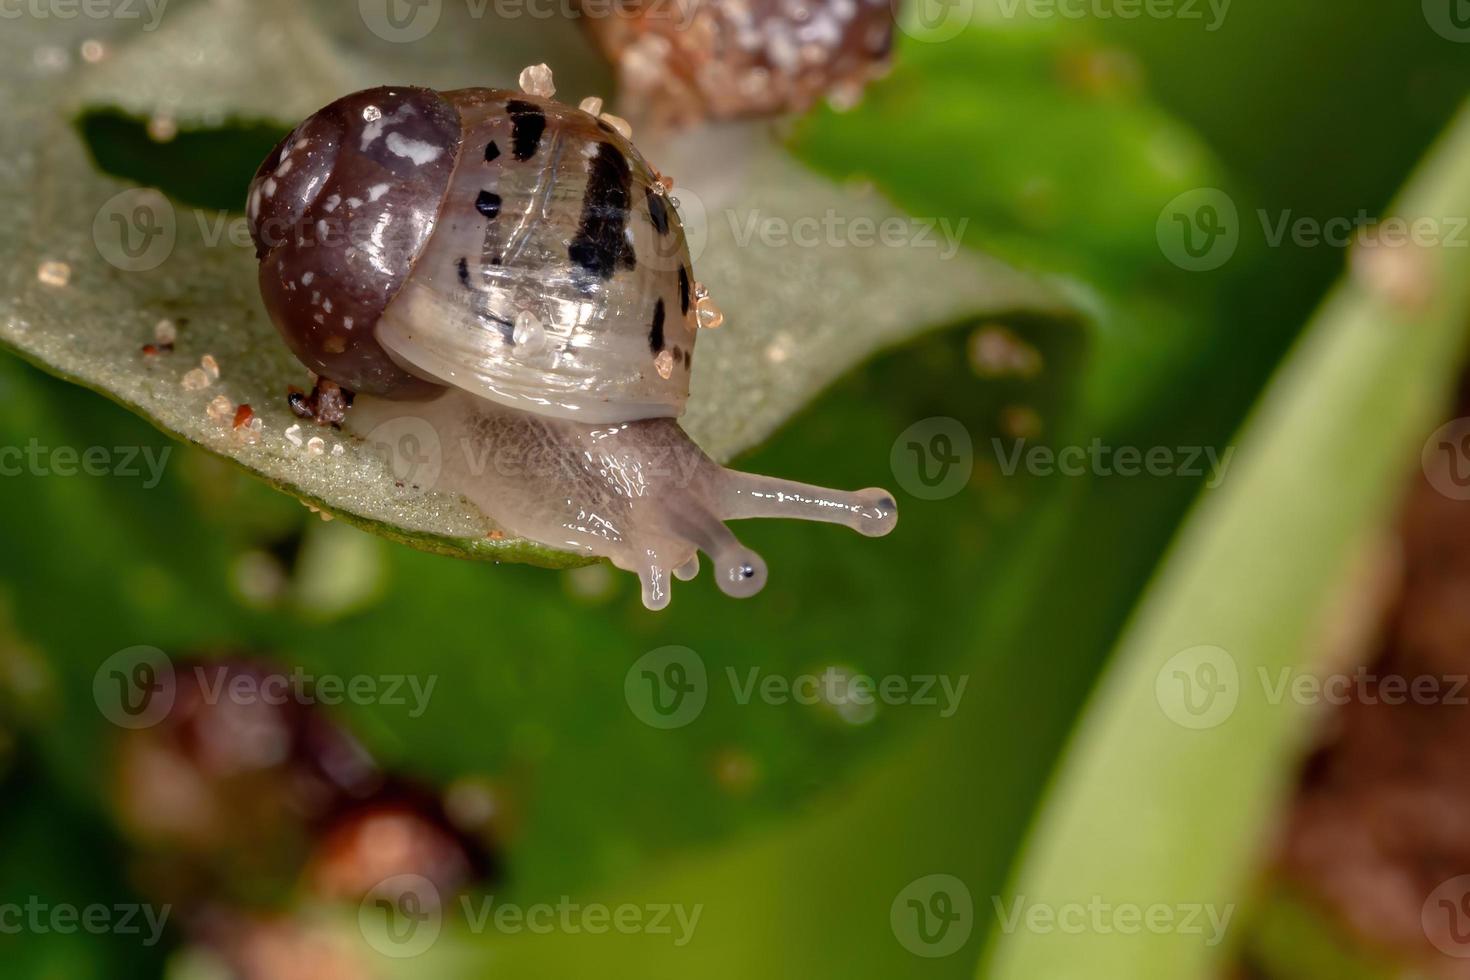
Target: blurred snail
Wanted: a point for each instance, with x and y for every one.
(512, 266)
(685, 59)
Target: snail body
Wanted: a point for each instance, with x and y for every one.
(507, 271)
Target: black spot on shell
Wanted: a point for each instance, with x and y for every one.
(656, 332)
(658, 211)
(488, 204)
(527, 123)
(491, 151)
(683, 290)
(688, 358)
(599, 243)
(464, 272)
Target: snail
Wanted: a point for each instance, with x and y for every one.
(728, 58)
(505, 274)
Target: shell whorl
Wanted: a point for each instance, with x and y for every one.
(557, 279)
(340, 213)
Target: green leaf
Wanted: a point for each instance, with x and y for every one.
(798, 318)
(1261, 571)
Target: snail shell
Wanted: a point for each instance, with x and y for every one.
(493, 241)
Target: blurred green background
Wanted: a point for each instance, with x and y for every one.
(806, 835)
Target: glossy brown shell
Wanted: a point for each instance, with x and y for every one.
(339, 219)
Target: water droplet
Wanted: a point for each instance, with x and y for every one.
(707, 314)
(529, 336)
(56, 274)
(1020, 422)
(779, 349)
(536, 80)
(221, 409)
(165, 333)
(293, 434)
(162, 129)
(210, 366)
(996, 352)
(316, 446)
(195, 380)
(664, 364)
(619, 123)
(51, 58)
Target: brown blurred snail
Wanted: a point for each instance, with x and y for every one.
(516, 277)
(682, 60)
